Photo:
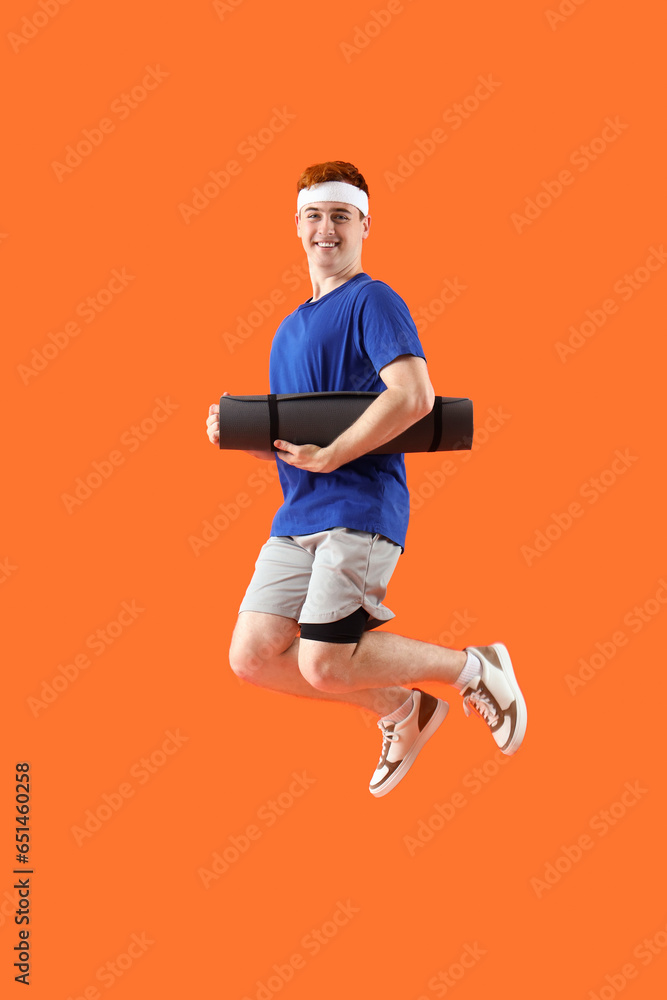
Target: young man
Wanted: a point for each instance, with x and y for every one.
(337, 537)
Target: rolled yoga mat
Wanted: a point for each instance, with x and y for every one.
(253, 423)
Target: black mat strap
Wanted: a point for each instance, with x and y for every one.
(273, 420)
(437, 424)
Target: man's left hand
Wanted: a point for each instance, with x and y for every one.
(309, 457)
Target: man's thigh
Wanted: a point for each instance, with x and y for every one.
(332, 583)
(345, 599)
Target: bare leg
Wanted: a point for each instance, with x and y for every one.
(379, 658)
(264, 651)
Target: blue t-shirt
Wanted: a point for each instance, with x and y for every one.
(339, 343)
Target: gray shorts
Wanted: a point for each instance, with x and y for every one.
(323, 577)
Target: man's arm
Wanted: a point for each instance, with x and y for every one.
(408, 397)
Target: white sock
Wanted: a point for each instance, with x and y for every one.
(400, 713)
(472, 668)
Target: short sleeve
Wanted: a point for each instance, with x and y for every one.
(386, 327)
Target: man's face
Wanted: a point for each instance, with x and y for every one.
(332, 234)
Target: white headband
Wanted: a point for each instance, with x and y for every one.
(348, 194)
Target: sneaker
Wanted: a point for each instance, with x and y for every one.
(496, 697)
(402, 741)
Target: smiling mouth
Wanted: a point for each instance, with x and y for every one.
(327, 244)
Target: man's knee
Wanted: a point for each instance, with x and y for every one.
(326, 649)
(251, 651)
(243, 660)
(325, 665)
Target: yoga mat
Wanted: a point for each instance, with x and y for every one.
(252, 423)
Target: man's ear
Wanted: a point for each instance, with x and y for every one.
(366, 225)
(298, 224)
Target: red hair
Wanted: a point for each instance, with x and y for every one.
(332, 170)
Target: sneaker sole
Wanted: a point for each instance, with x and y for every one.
(429, 729)
(521, 710)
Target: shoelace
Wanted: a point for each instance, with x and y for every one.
(388, 737)
(481, 703)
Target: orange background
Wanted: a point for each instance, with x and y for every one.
(66, 575)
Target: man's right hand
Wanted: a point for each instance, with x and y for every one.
(213, 423)
(213, 431)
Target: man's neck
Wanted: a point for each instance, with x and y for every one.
(323, 283)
